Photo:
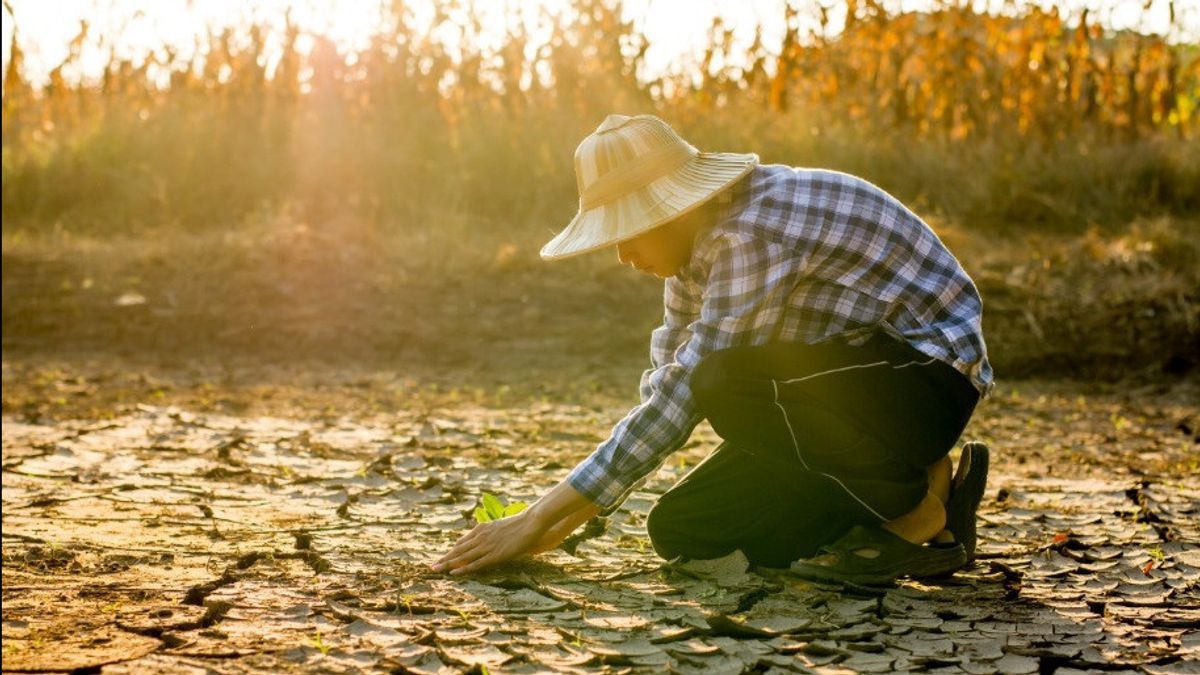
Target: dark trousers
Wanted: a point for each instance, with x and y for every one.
(818, 438)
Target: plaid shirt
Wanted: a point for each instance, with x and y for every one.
(796, 255)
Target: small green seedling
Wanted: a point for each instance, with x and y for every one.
(494, 509)
(319, 644)
(407, 601)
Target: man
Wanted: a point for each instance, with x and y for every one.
(823, 330)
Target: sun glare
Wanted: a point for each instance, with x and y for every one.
(676, 29)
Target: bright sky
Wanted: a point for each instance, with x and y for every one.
(676, 28)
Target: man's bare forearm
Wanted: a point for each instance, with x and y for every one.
(565, 526)
(563, 506)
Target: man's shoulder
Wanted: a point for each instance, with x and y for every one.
(776, 175)
(786, 197)
(799, 181)
(779, 199)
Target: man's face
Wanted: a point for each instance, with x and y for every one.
(664, 250)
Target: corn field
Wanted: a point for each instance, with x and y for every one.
(1029, 118)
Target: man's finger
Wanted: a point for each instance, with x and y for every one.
(458, 559)
(460, 546)
(480, 563)
(468, 539)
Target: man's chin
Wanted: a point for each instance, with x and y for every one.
(658, 272)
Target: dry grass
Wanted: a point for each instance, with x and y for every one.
(1029, 120)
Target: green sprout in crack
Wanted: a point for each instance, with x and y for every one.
(319, 644)
(405, 600)
(632, 541)
(494, 509)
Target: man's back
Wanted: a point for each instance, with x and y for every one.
(817, 254)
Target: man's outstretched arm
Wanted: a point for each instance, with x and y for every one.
(538, 528)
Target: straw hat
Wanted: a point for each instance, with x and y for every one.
(634, 174)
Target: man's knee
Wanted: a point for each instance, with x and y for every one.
(664, 529)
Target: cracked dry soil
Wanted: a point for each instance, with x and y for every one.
(166, 539)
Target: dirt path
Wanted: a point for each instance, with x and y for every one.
(169, 539)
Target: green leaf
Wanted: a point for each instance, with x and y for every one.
(481, 515)
(493, 506)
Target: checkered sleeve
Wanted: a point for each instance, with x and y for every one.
(681, 306)
(665, 418)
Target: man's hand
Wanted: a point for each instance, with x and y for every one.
(538, 528)
(491, 543)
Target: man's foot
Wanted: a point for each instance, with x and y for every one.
(939, 478)
(922, 523)
(934, 539)
(873, 556)
(966, 492)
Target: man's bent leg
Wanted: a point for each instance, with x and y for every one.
(736, 499)
(871, 418)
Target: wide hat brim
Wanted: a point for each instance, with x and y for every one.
(695, 182)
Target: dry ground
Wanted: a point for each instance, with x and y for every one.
(239, 527)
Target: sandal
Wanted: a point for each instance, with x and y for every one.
(897, 557)
(966, 491)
